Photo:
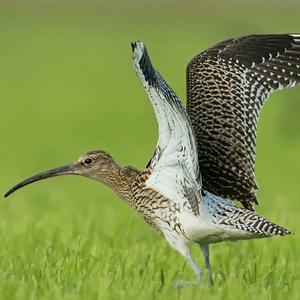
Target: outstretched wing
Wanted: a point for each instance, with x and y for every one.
(227, 86)
(175, 168)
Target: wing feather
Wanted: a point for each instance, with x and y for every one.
(227, 86)
(175, 168)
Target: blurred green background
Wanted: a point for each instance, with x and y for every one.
(67, 86)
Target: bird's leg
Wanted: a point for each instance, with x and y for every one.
(194, 265)
(205, 250)
(184, 250)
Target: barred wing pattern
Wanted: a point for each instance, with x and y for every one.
(227, 86)
(174, 167)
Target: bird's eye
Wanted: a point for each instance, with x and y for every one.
(88, 161)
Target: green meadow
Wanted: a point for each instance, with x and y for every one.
(67, 86)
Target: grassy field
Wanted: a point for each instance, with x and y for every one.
(67, 86)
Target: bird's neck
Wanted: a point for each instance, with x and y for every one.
(122, 180)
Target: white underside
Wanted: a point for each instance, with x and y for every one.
(201, 229)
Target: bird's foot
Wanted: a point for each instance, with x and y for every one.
(180, 283)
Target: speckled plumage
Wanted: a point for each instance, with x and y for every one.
(227, 86)
(164, 214)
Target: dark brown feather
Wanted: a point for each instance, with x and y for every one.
(227, 86)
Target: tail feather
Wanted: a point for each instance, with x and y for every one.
(249, 221)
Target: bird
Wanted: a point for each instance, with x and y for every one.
(204, 161)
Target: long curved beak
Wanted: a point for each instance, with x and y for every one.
(64, 170)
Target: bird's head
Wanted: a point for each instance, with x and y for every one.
(96, 165)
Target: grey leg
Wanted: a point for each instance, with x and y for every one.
(205, 250)
(194, 265)
(183, 249)
(182, 283)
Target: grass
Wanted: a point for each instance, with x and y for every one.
(67, 86)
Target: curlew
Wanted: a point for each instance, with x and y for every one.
(205, 156)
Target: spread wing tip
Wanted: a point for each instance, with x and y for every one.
(137, 50)
(142, 62)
